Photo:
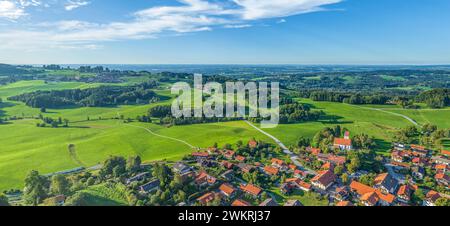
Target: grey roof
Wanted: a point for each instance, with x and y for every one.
(390, 183)
(269, 202)
(150, 185)
(180, 167)
(293, 203)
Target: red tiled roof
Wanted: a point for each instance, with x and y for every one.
(363, 189)
(418, 147)
(252, 143)
(380, 178)
(271, 170)
(277, 161)
(433, 195)
(227, 189)
(227, 164)
(344, 203)
(441, 167)
(442, 176)
(240, 158)
(251, 189)
(360, 188)
(445, 152)
(208, 197)
(292, 167)
(239, 202)
(325, 178)
(204, 177)
(371, 198)
(200, 154)
(342, 141)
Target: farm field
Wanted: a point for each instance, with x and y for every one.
(26, 147)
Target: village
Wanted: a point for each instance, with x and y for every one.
(257, 175)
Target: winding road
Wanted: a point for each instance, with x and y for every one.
(286, 150)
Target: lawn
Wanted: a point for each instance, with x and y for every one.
(306, 198)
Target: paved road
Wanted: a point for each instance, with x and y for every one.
(388, 112)
(285, 149)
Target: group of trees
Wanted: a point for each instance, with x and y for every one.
(93, 97)
(349, 98)
(428, 135)
(437, 98)
(54, 123)
(297, 112)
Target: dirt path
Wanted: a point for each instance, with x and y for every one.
(162, 136)
(388, 112)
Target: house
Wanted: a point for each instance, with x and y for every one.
(334, 159)
(324, 180)
(343, 143)
(278, 163)
(370, 199)
(418, 172)
(200, 155)
(344, 203)
(386, 183)
(397, 156)
(296, 182)
(181, 168)
(229, 154)
(327, 166)
(206, 198)
(361, 190)
(441, 168)
(300, 174)
(404, 193)
(228, 175)
(419, 161)
(150, 186)
(445, 153)
(240, 202)
(269, 202)
(293, 203)
(252, 144)
(58, 200)
(240, 158)
(246, 168)
(292, 167)
(341, 193)
(138, 177)
(442, 179)
(251, 189)
(313, 151)
(287, 188)
(431, 198)
(206, 163)
(203, 179)
(272, 171)
(441, 160)
(228, 190)
(227, 164)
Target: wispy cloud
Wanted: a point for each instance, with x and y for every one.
(190, 16)
(73, 4)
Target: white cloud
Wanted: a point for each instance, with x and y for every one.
(190, 16)
(11, 10)
(74, 4)
(263, 9)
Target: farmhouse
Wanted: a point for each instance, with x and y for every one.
(431, 198)
(386, 183)
(227, 190)
(371, 196)
(206, 198)
(150, 186)
(441, 160)
(240, 202)
(181, 168)
(229, 154)
(404, 193)
(251, 189)
(253, 144)
(324, 180)
(442, 179)
(205, 179)
(138, 177)
(344, 203)
(271, 170)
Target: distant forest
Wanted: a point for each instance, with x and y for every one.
(93, 97)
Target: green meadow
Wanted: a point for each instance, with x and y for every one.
(25, 147)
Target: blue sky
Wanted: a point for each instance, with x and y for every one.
(225, 31)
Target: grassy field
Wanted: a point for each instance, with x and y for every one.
(25, 147)
(306, 198)
(105, 195)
